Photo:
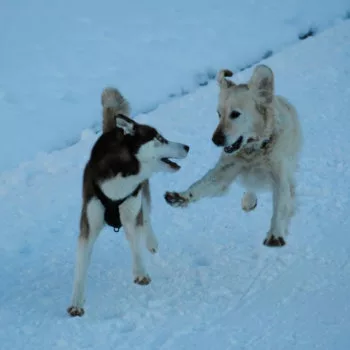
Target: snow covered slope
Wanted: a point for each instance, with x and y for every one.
(56, 57)
(215, 286)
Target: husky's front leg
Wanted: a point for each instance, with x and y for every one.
(134, 237)
(281, 198)
(151, 239)
(213, 184)
(128, 216)
(91, 223)
(144, 219)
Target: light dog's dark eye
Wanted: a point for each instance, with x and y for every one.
(234, 114)
(219, 115)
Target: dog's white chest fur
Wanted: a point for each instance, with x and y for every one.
(120, 187)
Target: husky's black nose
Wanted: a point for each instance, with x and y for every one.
(187, 148)
(219, 138)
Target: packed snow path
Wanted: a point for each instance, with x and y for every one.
(214, 285)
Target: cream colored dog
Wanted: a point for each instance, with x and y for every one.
(261, 139)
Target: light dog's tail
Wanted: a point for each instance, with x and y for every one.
(113, 103)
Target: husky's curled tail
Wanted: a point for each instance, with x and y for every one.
(113, 103)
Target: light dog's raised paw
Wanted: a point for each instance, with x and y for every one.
(75, 311)
(175, 199)
(249, 201)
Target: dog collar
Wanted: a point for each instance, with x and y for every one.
(265, 144)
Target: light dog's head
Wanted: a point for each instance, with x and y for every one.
(149, 147)
(244, 110)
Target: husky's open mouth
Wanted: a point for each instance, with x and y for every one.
(235, 146)
(172, 164)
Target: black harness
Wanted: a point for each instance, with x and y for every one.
(112, 215)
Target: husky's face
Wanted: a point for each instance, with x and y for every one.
(151, 148)
(242, 109)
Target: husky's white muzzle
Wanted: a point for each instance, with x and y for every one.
(172, 150)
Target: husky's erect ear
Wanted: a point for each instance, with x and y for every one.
(125, 123)
(221, 78)
(262, 82)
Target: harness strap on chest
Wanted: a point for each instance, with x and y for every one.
(112, 214)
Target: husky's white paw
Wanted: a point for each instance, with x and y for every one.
(75, 311)
(249, 201)
(274, 241)
(142, 280)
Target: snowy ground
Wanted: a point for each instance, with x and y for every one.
(57, 56)
(215, 286)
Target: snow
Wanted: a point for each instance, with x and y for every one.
(56, 57)
(214, 285)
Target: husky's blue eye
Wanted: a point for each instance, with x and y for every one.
(234, 114)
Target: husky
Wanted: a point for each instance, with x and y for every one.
(261, 139)
(116, 187)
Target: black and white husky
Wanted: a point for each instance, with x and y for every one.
(116, 187)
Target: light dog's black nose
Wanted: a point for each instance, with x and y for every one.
(187, 148)
(219, 138)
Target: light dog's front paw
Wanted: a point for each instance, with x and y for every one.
(75, 311)
(176, 199)
(142, 280)
(274, 241)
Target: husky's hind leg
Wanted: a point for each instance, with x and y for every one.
(91, 223)
(129, 215)
(134, 237)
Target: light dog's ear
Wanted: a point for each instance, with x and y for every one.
(221, 78)
(125, 123)
(262, 82)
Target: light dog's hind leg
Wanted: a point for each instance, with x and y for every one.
(249, 201)
(291, 207)
(281, 204)
(91, 223)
